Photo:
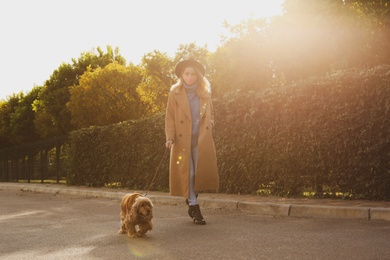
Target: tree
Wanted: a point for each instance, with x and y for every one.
(373, 18)
(105, 96)
(243, 60)
(22, 119)
(17, 119)
(53, 118)
(156, 82)
(316, 37)
(7, 108)
(306, 39)
(191, 50)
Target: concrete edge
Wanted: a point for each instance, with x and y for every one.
(331, 212)
(166, 200)
(219, 204)
(380, 214)
(265, 208)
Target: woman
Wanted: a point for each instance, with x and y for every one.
(189, 123)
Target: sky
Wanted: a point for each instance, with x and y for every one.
(38, 36)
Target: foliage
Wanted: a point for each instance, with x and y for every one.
(128, 152)
(7, 108)
(22, 119)
(326, 134)
(17, 119)
(243, 62)
(52, 115)
(105, 96)
(315, 37)
(156, 81)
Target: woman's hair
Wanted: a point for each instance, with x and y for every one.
(203, 89)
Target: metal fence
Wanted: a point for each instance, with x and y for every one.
(42, 160)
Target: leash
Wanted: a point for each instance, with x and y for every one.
(158, 168)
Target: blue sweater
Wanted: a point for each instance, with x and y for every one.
(193, 100)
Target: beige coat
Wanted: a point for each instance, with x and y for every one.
(178, 125)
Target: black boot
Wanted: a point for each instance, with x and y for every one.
(198, 218)
(191, 211)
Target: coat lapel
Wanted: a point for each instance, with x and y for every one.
(182, 100)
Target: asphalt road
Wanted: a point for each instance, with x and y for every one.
(52, 226)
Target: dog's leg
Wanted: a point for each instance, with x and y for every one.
(131, 231)
(122, 230)
(144, 227)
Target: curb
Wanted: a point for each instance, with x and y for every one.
(380, 214)
(338, 212)
(261, 208)
(264, 208)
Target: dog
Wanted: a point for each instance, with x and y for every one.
(136, 210)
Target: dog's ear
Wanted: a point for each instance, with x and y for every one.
(135, 205)
(147, 201)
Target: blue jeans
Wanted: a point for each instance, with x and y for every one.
(193, 163)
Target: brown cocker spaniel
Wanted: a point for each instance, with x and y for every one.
(136, 210)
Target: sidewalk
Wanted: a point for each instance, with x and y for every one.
(272, 206)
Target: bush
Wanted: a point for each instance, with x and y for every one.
(128, 153)
(329, 132)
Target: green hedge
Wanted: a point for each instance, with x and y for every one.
(127, 153)
(326, 135)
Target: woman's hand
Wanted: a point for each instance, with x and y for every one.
(168, 144)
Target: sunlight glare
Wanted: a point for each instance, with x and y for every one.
(136, 27)
(244, 9)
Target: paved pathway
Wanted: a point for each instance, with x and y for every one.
(273, 206)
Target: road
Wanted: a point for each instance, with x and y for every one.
(53, 226)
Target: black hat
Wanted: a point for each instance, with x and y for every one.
(189, 63)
